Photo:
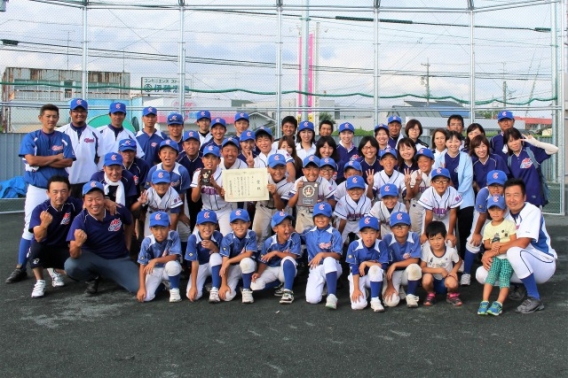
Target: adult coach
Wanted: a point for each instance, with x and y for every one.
(99, 244)
(46, 153)
(149, 138)
(111, 135)
(50, 224)
(506, 121)
(85, 142)
(532, 257)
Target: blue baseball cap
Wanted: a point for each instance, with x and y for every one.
(239, 214)
(175, 119)
(496, 178)
(496, 201)
(381, 126)
(93, 185)
(240, 116)
(247, 135)
(219, 121)
(312, 159)
(398, 218)
(127, 145)
(395, 118)
(169, 143)
(323, 208)
(389, 190)
(203, 114)
(306, 125)
(78, 103)
(388, 151)
(440, 172)
(328, 161)
(159, 218)
(276, 160)
(355, 182)
(505, 114)
(279, 217)
(231, 140)
(353, 164)
(211, 150)
(191, 134)
(113, 158)
(207, 216)
(369, 222)
(161, 176)
(149, 110)
(261, 130)
(117, 107)
(425, 152)
(346, 126)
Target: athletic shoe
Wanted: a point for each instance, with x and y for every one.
(496, 309)
(530, 305)
(454, 299)
(214, 295)
(331, 302)
(483, 307)
(401, 293)
(279, 290)
(39, 289)
(56, 278)
(287, 297)
(17, 275)
(376, 305)
(247, 296)
(174, 296)
(92, 286)
(412, 300)
(430, 299)
(517, 293)
(465, 279)
(208, 287)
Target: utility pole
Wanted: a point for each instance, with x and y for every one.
(426, 81)
(504, 87)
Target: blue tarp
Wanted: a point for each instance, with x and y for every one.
(13, 188)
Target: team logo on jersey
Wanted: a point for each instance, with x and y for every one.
(136, 180)
(354, 157)
(526, 163)
(458, 198)
(154, 144)
(89, 140)
(175, 183)
(57, 148)
(324, 246)
(115, 225)
(66, 218)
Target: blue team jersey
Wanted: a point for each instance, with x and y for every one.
(452, 164)
(358, 252)
(130, 189)
(151, 249)
(292, 245)
(139, 171)
(326, 240)
(104, 238)
(38, 143)
(191, 165)
(194, 250)
(211, 142)
(480, 170)
(232, 246)
(481, 200)
(150, 144)
(410, 249)
(522, 167)
(180, 179)
(58, 229)
(254, 154)
(496, 143)
(376, 166)
(401, 168)
(345, 156)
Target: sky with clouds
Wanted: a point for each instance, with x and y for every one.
(505, 49)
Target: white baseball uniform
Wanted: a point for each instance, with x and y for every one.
(440, 205)
(109, 141)
(352, 212)
(382, 213)
(87, 147)
(381, 178)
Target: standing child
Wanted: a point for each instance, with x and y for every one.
(263, 138)
(346, 148)
(158, 259)
(238, 249)
(328, 170)
(388, 205)
(324, 246)
(389, 174)
(440, 202)
(352, 207)
(368, 259)
(352, 168)
(496, 233)
(404, 257)
(278, 257)
(418, 183)
(203, 253)
(440, 265)
(218, 131)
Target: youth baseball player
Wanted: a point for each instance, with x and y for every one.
(204, 124)
(149, 138)
(352, 207)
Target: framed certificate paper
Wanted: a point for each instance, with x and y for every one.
(245, 184)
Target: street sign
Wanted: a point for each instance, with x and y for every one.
(161, 86)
